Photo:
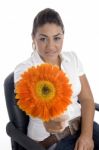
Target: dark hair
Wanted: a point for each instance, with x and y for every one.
(46, 16)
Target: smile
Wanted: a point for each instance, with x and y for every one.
(50, 52)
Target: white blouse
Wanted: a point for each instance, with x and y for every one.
(73, 67)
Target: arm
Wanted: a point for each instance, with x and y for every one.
(87, 107)
(87, 111)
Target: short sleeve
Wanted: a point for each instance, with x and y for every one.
(18, 71)
(21, 68)
(78, 64)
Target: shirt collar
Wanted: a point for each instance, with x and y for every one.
(37, 59)
(64, 57)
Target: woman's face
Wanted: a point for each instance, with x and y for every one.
(48, 41)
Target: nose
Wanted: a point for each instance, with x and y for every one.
(50, 44)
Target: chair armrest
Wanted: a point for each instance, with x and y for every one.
(97, 106)
(21, 138)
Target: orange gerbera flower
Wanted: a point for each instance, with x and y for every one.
(43, 91)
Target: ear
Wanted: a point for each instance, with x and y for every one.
(33, 45)
(33, 39)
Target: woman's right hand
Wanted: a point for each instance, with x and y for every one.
(57, 125)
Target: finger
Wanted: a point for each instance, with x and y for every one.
(76, 146)
(79, 146)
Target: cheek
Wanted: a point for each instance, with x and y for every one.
(40, 46)
(60, 45)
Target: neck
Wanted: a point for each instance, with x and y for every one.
(54, 61)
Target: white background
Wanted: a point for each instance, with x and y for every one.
(81, 21)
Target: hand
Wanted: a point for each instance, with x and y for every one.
(84, 143)
(57, 125)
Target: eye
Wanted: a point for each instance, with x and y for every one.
(57, 38)
(43, 39)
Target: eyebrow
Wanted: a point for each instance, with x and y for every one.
(53, 35)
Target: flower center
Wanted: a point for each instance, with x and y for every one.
(45, 90)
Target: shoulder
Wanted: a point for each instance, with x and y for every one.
(21, 67)
(72, 58)
(24, 65)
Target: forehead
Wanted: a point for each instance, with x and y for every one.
(49, 29)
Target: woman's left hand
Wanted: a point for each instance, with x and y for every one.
(84, 143)
(57, 125)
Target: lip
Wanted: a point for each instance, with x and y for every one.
(50, 52)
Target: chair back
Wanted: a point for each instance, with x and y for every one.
(16, 116)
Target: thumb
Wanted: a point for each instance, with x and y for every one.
(76, 145)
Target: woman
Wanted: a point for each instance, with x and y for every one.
(48, 37)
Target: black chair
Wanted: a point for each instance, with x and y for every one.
(17, 127)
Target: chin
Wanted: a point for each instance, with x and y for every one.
(51, 56)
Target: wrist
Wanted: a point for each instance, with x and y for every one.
(87, 134)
